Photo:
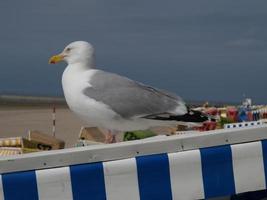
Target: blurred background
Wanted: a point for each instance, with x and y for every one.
(202, 50)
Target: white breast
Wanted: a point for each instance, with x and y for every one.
(74, 81)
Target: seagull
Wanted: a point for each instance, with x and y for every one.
(115, 102)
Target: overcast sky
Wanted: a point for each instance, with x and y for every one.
(201, 50)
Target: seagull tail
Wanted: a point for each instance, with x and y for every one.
(191, 116)
(194, 116)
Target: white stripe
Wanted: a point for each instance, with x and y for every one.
(54, 184)
(248, 167)
(121, 180)
(186, 175)
(1, 189)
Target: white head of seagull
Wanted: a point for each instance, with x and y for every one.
(79, 52)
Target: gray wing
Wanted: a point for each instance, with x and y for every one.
(131, 99)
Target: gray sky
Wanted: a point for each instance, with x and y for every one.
(201, 50)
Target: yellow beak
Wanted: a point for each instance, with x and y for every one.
(55, 59)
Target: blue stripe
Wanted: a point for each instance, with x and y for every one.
(154, 177)
(264, 154)
(88, 181)
(20, 185)
(217, 171)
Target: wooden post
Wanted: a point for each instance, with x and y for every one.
(54, 121)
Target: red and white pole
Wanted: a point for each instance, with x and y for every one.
(54, 120)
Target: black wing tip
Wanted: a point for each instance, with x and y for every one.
(197, 116)
(191, 116)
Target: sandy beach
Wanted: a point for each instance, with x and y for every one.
(17, 121)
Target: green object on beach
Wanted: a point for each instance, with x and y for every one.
(137, 135)
(225, 121)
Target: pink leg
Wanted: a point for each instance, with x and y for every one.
(110, 137)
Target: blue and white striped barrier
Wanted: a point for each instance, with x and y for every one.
(194, 174)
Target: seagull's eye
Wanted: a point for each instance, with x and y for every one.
(68, 49)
